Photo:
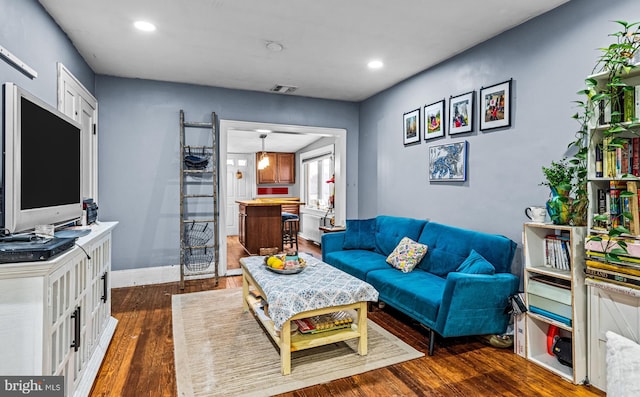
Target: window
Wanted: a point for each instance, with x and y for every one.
(317, 171)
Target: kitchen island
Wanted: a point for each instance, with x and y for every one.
(260, 222)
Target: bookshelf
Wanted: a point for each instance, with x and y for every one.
(555, 295)
(613, 284)
(613, 171)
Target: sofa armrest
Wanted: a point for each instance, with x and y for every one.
(474, 304)
(332, 242)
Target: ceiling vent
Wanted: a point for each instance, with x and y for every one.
(283, 89)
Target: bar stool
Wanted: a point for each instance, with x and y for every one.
(290, 228)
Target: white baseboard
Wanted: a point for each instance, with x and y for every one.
(145, 276)
(150, 275)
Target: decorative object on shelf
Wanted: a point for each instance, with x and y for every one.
(264, 158)
(567, 182)
(461, 113)
(448, 162)
(434, 120)
(495, 104)
(411, 127)
(536, 214)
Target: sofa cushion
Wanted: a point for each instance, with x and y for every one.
(449, 246)
(417, 294)
(360, 234)
(406, 255)
(356, 262)
(476, 264)
(391, 229)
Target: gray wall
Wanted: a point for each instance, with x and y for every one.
(548, 59)
(28, 32)
(139, 153)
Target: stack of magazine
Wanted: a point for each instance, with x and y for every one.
(618, 269)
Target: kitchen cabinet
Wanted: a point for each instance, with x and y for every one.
(281, 169)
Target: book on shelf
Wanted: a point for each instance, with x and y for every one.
(324, 322)
(637, 101)
(624, 259)
(633, 208)
(557, 251)
(550, 280)
(613, 276)
(598, 154)
(550, 315)
(629, 105)
(635, 156)
(614, 266)
(604, 112)
(620, 204)
(621, 159)
(607, 244)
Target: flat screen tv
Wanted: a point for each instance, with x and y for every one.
(41, 163)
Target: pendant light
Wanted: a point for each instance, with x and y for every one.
(264, 159)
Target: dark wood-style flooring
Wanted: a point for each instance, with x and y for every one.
(139, 361)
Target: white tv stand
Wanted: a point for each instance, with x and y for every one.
(55, 316)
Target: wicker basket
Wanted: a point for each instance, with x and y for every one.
(198, 259)
(197, 233)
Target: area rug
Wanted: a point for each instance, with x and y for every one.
(222, 351)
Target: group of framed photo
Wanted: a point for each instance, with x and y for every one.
(494, 112)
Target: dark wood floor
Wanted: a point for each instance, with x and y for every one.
(140, 362)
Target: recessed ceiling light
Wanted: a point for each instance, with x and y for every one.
(376, 64)
(144, 26)
(261, 130)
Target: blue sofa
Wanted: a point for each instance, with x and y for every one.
(443, 292)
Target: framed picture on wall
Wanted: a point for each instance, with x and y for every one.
(495, 106)
(461, 113)
(448, 162)
(411, 127)
(434, 120)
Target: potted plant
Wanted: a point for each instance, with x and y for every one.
(566, 179)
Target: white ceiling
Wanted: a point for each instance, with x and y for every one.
(241, 141)
(327, 43)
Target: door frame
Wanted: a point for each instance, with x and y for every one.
(249, 176)
(90, 162)
(227, 126)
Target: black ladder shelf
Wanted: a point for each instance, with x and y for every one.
(199, 212)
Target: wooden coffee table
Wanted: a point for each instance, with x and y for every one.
(320, 289)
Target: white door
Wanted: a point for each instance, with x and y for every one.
(76, 101)
(240, 177)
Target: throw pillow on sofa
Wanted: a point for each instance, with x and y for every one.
(476, 264)
(406, 255)
(360, 234)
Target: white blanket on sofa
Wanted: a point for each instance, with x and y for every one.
(623, 366)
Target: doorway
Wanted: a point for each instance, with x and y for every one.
(228, 126)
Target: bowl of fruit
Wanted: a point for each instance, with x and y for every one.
(285, 264)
